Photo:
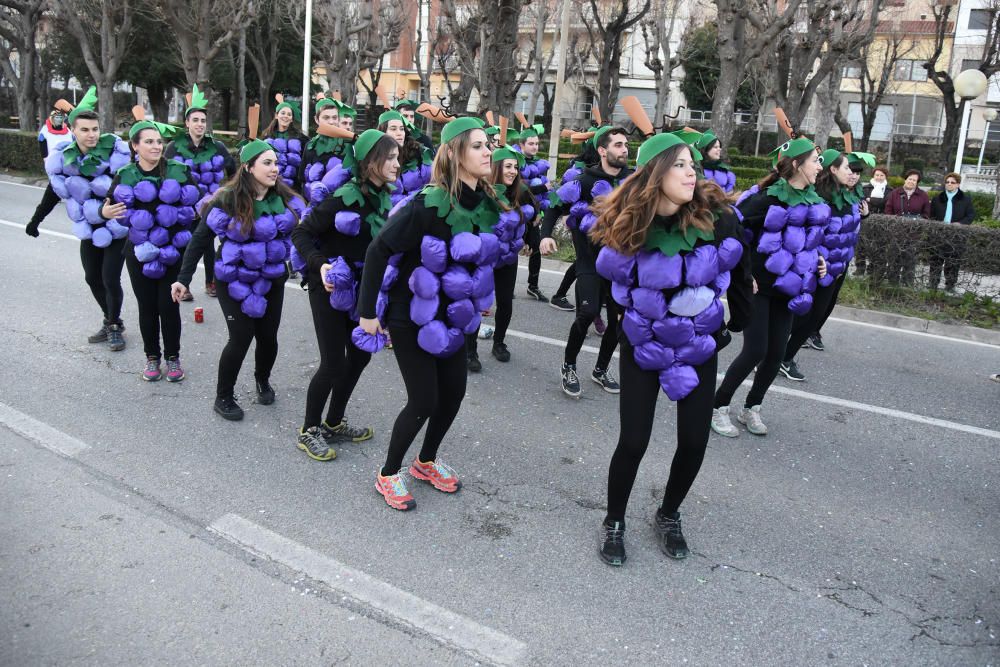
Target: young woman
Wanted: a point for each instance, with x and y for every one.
(835, 184)
(285, 137)
(507, 164)
(333, 239)
(252, 215)
(786, 219)
(414, 160)
(534, 176)
(712, 165)
(327, 160)
(671, 249)
(155, 199)
(445, 280)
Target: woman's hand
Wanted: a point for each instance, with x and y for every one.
(863, 209)
(547, 246)
(754, 285)
(370, 326)
(177, 291)
(113, 211)
(322, 274)
(821, 266)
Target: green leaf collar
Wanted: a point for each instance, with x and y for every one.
(790, 196)
(671, 240)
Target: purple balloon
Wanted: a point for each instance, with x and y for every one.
(347, 222)
(579, 209)
(286, 221)
(775, 219)
(622, 294)
(123, 194)
(434, 254)
(82, 230)
(79, 188)
(254, 254)
(461, 313)
(137, 236)
(650, 303)
(254, 305)
(159, 236)
(92, 211)
(697, 351)
(170, 191)
(637, 328)
(617, 267)
(465, 247)
(264, 228)
(678, 381)
(805, 262)
(690, 301)
(600, 188)
(789, 284)
(818, 213)
(366, 343)
(489, 252)
(770, 242)
(651, 356)
(710, 320)
(779, 262)
(701, 266)
(730, 252)
(154, 270)
(809, 282)
(433, 337)
(456, 283)
(423, 283)
(224, 272)
(101, 237)
(190, 195)
(166, 215)
(482, 282)
(169, 255)
(673, 331)
(245, 275)
(797, 214)
(814, 238)
(422, 310)
(801, 304)
(483, 303)
(390, 277)
(412, 180)
(273, 271)
(335, 177)
(239, 290)
(144, 191)
(794, 239)
(231, 252)
(570, 192)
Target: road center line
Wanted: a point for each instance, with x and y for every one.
(19, 225)
(445, 626)
(50, 438)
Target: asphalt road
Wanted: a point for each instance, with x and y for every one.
(138, 527)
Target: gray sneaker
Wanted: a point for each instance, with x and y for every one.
(721, 423)
(750, 417)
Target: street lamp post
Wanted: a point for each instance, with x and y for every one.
(969, 84)
(307, 67)
(989, 115)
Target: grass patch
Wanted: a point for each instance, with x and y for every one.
(967, 308)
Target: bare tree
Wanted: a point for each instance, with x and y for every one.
(18, 28)
(608, 23)
(540, 60)
(746, 29)
(103, 30)
(456, 49)
(877, 61)
(500, 76)
(657, 32)
(263, 43)
(378, 42)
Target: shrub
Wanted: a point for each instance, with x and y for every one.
(19, 150)
(913, 163)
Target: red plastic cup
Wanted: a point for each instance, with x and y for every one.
(199, 315)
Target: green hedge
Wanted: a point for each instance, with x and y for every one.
(750, 173)
(19, 150)
(750, 162)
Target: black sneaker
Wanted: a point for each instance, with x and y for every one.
(265, 393)
(101, 336)
(474, 364)
(791, 371)
(570, 381)
(607, 382)
(668, 528)
(536, 293)
(815, 341)
(561, 303)
(344, 431)
(311, 441)
(613, 543)
(227, 408)
(116, 341)
(500, 352)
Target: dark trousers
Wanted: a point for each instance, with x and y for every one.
(591, 291)
(837, 284)
(532, 237)
(49, 201)
(764, 342)
(946, 257)
(243, 330)
(102, 269)
(157, 311)
(434, 391)
(504, 279)
(567, 281)
(637, 410)
(806, 325)
(340, 362)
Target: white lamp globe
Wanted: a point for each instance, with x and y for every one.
(970, 84)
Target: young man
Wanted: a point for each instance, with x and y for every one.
(536, 177)
(591, 289)
(53, 134)
(94, 158)
(210, 164)
(347, 116)
(317, 159)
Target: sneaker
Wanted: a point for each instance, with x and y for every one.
(561, 303)
(345, 432)
(228, 408)
(722, 424)
(486, 332)
(174, 371)
(437, 474)
(671, 539)
(265, 392)
(101, 336)
(815, 341)
(791, 371)
(599, 326)
(613, 543)
(152, 371)
(751, 418)
(116, 341)
(474, 364)
(570, 381)
(393, 489)
(210, 288)
(187, 296)
(606, 380)
(311, 441)
(536, 293)
(500, 352)
(995, 377)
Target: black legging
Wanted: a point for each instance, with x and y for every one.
(102, 269)
(833, 302)
(156, 309)
(591, 290)
(340, 362)
(806, 325)
(49, 201)
(504, 279)
(532, 237)
(434, 392)
(209, 259)
(764, 342)
(637, 410)
(567, 281)
(243, 329)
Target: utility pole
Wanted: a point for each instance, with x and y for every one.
(307, 68)
(557, 103)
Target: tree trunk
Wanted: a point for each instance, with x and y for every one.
(730, 41)
(949, 140)
(828, 101)
(106, 104)
(499, 72)
(241, 82)
(159, 103)
(227, 107)
(266, 102)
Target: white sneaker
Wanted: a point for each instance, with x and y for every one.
(721, 423)
(751, 418)
(486, 332)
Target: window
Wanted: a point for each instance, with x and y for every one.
(969, 64)
(852, 71)
(909, 70)
(980, 19)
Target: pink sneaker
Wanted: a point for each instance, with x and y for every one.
(437, 474)
(393, 489)
(174, 371)
(152, 371)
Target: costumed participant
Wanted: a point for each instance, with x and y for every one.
(347, 116)
(534, 174)
(445, 249)
(784, 221)
(155, 198)
(210, 164)
(507, 168)
(80, 173)
(573, 199)
(672, 248)
(326, 164)
(333, 239)
(837, 185)
(414, 160)
(408, 110)
(53, 134)
(285, 137)
(712, 165)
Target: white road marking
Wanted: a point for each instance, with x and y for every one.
(23, 185)
(445, 626)
(50, 438)
(20, 225)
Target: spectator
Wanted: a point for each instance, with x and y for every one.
(898, 258)
(909, 200)
(877, 190)
(950, 207)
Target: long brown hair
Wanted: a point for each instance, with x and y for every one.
(444, 171)
(624, 215)
(826, 182)
(237, 195)
(784, 169)
(518, 193)
(272, 129)
(372, 164)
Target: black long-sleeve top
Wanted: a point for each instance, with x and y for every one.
(754, 210)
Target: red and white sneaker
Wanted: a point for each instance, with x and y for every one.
(393, 489)
(440, 476)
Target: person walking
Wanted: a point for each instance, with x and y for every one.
(53, 135)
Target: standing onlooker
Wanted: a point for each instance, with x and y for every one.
(877, 190)
(908, 201)
(950, 206)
